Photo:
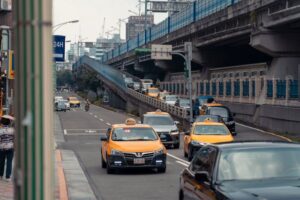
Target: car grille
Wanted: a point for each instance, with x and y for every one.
(129, 157)
(134, 155)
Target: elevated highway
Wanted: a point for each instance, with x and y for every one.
(223, 33)
(273, 113)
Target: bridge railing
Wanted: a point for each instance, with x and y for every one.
(156, 103)
(110, 73)
(257, 90)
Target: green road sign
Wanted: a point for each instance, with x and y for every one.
(142, 51)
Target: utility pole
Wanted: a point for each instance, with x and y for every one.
(34, 162)
(146, 8)
(188, 56)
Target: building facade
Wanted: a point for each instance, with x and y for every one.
(136, 24)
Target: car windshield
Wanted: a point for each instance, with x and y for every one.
(264, 163)
(73, 98)
(202, 118)
(210, 130)
(58, 98)
(158, 120)
(221, 111)
(134, 134)
(153, 90)
(171, 98)
(184, 102)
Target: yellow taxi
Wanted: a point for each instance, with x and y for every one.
(203, 133)
(74, 102)
(132, 145)
(152, 92)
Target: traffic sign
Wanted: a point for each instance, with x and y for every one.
(142, 51)
(59, 48)
(161, 52)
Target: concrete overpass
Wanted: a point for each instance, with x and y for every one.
(223, 33)
(276, 111)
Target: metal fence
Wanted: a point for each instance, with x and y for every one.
(256, 90)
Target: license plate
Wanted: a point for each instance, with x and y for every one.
(139, 161)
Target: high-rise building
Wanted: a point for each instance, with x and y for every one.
(136, 24)
(103, 45)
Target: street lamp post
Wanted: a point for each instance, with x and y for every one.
(57, 26)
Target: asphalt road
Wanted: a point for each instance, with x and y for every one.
(81, 132)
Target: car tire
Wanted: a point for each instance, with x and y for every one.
(109, 170)
(185, 154)
(162, 169)
(176, 146)
(181, 195)
(103, 163)
(190, 154)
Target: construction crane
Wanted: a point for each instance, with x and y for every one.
(103, 28)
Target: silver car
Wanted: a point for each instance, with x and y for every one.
(165, 127)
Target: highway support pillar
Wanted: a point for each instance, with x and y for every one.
(34, 179)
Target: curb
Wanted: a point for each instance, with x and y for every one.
(62, 185)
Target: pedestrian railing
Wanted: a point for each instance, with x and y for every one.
(158, 104)
(257, 90)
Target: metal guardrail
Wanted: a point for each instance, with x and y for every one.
(173, 110)
(256, 90)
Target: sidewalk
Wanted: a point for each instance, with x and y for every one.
(70, 180)
(6, 190)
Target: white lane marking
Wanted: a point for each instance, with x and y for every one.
(101, 120)
(95, 116)
(182, 163)
(108, 124)
(179, 159)
(91, 113)
(77, 132)
(262, 131)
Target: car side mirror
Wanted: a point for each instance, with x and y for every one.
(201, 177)
(234, 133)
(176, 122)
(103, 138)
(187, 133)
(233, 114)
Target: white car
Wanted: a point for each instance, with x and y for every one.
(58, 98)
(170, 99)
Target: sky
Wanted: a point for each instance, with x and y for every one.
(91, 14)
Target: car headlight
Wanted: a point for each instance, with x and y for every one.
(174, 132)
(116, 153)
(194, 142)
(160, 151)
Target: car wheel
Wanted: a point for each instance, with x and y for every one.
(109, 170)
(190, 154)
(185, 154)
(103, 163)
(176, 146)
(181, 195)
(162, 169)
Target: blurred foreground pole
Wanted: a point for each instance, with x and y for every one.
(33, 173)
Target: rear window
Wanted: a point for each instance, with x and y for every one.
(158, 120)
(211, 130)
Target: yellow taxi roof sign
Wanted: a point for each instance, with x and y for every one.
(208, 120)
(130, 121)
